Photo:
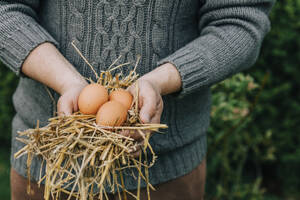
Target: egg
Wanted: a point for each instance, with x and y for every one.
(112, 113)
(91, 98)
(122, 96)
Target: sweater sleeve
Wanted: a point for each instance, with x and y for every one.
(231, 34)
(20, 32)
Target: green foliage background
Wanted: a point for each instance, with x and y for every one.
(253, 140)
(254, 137)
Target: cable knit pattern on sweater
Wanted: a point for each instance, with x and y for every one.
(119, 28)
(206, 40)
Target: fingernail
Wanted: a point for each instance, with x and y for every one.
(145, 119)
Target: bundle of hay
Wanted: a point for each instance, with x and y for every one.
(83, 159)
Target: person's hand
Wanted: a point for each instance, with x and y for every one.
(48, 66)
(150, 106)
(67, 103)
(150, 101)
(163, 80)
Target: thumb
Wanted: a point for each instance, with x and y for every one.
(64, 107)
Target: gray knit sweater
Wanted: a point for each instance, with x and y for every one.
(207, 40)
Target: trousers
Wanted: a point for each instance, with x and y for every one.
(188, 187)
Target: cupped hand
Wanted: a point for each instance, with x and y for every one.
(150, 106)
(68, 101)
(150, 101)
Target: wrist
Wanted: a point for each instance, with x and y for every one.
(165, 77)
(48, 66)
(73, 82)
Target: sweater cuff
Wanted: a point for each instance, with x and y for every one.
(17, 44)
(190, 64)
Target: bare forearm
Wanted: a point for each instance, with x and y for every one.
(166, 78)
(46, 65)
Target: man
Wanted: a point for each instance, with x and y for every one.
(186, 46)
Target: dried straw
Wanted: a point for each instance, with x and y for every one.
(82, 158)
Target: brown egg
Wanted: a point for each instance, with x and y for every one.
(122, 96)
(91, 98)
(112, 113)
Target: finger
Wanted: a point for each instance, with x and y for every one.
(137, 150)
(156, 118)
(134, 134)
(133, 90)
(148, 108)
(75, 106)
(124, 133)
(64, 107)
(147, 102)
(137, 135)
